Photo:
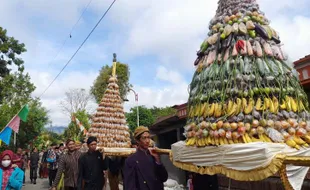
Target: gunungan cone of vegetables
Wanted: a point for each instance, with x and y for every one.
(243, 90)
(109, 122)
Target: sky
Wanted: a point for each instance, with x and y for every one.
(158, 39)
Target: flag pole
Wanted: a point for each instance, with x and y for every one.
(12, 118)
(14, 138)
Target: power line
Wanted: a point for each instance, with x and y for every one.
(78, 48)
(70, 34)
(80, 17)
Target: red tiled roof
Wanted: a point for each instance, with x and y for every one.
(306, 58)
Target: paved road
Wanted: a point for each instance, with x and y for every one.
(42, 184)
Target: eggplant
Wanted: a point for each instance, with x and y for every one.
(280, 116)
(278, 41)
(256, 115)
(285, 114)
(228, 41)
(293, 115)
(248, 118)
(240, 117)
(261, 31)
(303, 114)
(197, 61)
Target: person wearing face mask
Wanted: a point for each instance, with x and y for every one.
(11, 177)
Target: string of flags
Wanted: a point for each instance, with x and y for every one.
(79, 124)
(13, 125)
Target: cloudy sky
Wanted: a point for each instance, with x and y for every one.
(157, 38)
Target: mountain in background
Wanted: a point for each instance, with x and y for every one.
(56, 129)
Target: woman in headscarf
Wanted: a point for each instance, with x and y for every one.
(11, 176)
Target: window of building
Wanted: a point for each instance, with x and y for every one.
(305, 74)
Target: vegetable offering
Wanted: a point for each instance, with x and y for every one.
(243, 90)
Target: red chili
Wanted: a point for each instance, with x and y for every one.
(240, 45)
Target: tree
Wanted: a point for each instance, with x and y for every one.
(158, 112)
(30, 130)
(75, 100)
(101, 82)
(47, 138)
(16, 89)
(73, 131)
(145, 117)
(37, 119)
(9, 51)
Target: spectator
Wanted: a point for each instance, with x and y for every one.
(52, 159)
(190, 182)
(61, 149)
(33, 164)
(113, 172)
(11, 176)
(68, 165)
(44, 164)
(143, 169)
(40, 163)
(18, 160)
(91, 168)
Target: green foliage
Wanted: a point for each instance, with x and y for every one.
(162, 112)
(16, 89)
(100, 84)
(9, 51)
(47, 138)
(145, 117)
(37, 119)
(30, 130)
(73, 131)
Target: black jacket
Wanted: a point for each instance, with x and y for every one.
(44, 157)
(202, 182)
(115, 164)
(34, 159)
(91, 167)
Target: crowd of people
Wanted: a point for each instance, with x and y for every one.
(80, 166)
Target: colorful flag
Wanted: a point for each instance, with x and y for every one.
(24, 113)
(5, 135)
(14, 124)
(78, 123)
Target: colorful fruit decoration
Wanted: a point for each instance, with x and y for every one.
(109, 122)
(243, 90)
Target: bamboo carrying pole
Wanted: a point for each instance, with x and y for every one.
(128, 151)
